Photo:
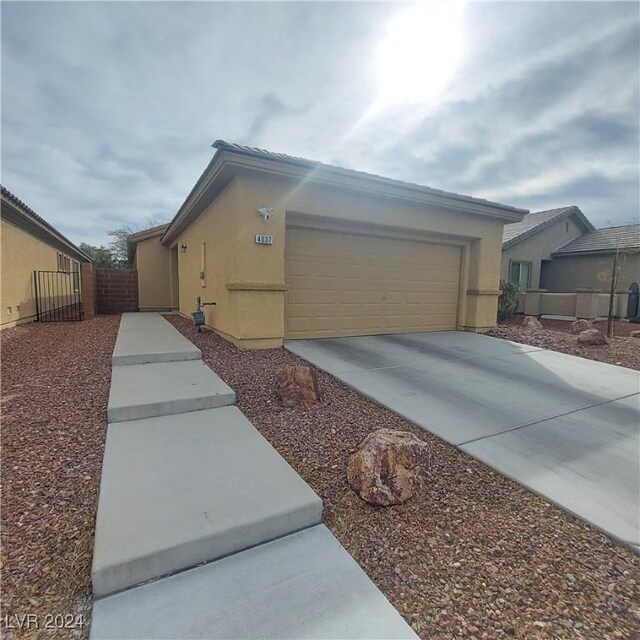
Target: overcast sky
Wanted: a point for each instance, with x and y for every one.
(109, 109)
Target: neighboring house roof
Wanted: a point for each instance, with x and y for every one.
(21, 215)
(536, 221)
(145, 234)
(301, 168)
(603, 241)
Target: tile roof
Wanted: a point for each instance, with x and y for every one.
(604, 240)
(29, 212)
(538, 220)
(263, 153)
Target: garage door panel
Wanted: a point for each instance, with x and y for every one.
(349, 284)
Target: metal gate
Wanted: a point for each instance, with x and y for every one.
(58, 297)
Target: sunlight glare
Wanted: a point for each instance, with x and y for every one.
(419, 53)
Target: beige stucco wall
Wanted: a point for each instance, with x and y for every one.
(539, 247)
(218, 228)
(247, 281)
(152, 262)
(21, 255)
(594, 272)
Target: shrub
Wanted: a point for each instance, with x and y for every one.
(508, 300)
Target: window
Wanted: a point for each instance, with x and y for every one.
(76, 276)
(566, 227)
(64, 263)
(520, 273)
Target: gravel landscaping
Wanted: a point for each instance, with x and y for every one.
(555, 335)
(474, 555)
(55, 386)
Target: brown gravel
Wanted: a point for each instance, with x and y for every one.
(555, 335)
(55, 385)
(475, 555)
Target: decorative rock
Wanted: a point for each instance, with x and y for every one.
(531, 322)
(591, 337)
(634, 334)
(581, 325)
(388, 467)
(297, 386)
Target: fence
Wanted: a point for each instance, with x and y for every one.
(58, 296)
(116, 290)
(582, 303)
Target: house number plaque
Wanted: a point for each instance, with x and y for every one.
(262, 239)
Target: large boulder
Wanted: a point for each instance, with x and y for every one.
(389, 467)
(581, 325)
(531, 322)
(591, 338)
(297, 386)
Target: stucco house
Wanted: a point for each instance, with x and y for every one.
(293, 248)
(587, 261)
(560, 251)
(29, 244)
(528, 245)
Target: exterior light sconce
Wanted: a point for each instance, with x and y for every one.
(183, 248)
(265, 212)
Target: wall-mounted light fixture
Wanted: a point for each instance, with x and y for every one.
(183, 248)
(265, 212)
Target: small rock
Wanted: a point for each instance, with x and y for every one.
(531, 322)
(389, 467)
(634, 334)
(591, 337)
(581, 325)
(297, 386)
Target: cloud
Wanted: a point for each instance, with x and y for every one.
(109, 110)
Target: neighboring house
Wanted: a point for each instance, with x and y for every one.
(28, 244)
(587, 261)
(292, 248)
(528, 245)
(153, 292)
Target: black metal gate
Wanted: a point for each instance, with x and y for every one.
(633, 306)
(58, 297)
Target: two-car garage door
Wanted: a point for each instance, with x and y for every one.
(345, 284)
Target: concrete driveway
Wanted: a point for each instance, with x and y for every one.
(565, 427)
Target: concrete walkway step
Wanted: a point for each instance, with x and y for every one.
(148, 337)
(184, 489)
(149, 390)
(302, 586)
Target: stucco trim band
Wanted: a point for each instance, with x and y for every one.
(256, 286)
(483, 292)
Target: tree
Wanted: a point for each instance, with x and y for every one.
(119, 245)
(100, 256)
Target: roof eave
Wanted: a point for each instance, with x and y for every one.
(236, 160)
(525, 235)
(46, 229)
(591, 252)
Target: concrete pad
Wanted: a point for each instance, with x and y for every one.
(468, 389)
(450, 389)
(338, 355)
(148, 337)
(158, 389)
(184, 489)
(302, 586)
(586, 462)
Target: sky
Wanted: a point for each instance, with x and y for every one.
(109, 109)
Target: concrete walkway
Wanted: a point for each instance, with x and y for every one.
(184, 484)
(565, 427)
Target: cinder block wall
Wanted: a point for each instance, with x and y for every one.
(117, 290)
(88, 278)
